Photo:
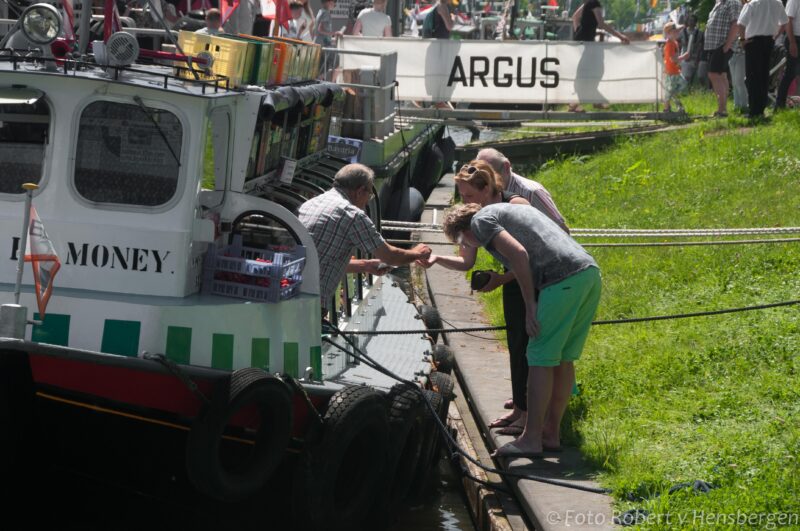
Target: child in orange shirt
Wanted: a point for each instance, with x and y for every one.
(675, 83)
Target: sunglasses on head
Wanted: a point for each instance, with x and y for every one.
(469, 170)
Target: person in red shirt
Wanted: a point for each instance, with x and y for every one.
(675, 83)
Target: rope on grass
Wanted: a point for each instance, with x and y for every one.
(596, 323)
(640, 244)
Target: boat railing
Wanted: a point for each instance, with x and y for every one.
(371, 109)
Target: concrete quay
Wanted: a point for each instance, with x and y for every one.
(482, 370)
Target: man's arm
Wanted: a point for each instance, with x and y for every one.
(396, 256)
(357, 29)
(576, 18)
(517, 257)
(736, 31)
(790, 37)
(602, 24)
(446, 16)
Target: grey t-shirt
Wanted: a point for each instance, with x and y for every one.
(325, 23)
(553, 254)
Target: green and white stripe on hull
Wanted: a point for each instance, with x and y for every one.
(205, 331)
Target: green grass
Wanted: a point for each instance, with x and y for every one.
(712, 398)
(698, 103)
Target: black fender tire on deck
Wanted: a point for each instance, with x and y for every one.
(429, 456)
(233, 482)
(339, 473)
(431, 318)
(448, 148)
(17, 408)
(406, 437)
(444, 358)
(444, 385)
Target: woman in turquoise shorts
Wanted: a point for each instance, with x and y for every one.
(544, 257)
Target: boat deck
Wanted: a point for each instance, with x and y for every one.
(407, 355)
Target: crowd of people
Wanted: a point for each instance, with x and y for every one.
(551, 285)
(735, 53)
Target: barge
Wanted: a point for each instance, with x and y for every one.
(186, 311)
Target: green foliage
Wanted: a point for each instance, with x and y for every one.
(713, 398)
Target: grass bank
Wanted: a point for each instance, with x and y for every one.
(712, 398)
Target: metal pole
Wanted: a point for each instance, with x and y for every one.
(86, 20)
(23, 242)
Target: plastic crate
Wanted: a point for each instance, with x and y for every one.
(232, 58)
(239, 260)
(262, 59)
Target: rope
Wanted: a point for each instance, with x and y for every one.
(405, 226)
(176, 371)
(640, 244)
(597, 323)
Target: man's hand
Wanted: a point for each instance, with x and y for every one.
(495, 281)
(624, 39)
(531, 324)
(374, 266)
(727, 47)
(422, 251)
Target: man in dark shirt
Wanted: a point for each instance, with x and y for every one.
(588, 18)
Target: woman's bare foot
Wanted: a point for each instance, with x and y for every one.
(506, 420)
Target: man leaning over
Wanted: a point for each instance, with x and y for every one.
(337, 223)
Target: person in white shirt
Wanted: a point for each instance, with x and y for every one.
(213, 23)
(373, 22)
(296, 24)
(792, 36)
(759, 23)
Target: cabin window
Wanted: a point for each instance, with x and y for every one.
(24, 128)
(128, 154)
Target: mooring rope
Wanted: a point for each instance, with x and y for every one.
(640, 244)
(408, 226)
(596, 323)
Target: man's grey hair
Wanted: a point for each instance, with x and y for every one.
(354, 176)
(495, 159)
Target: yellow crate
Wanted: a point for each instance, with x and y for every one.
(232, 58)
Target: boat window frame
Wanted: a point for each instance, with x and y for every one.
(186, 135)
(47, 164)
(224, 110)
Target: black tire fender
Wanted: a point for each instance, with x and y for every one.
(444, 359)
(338, 474)
(431, 318)
(429, 455)
(226, 481)
(406, 437)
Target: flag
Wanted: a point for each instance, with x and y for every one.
(111, 23)
(227, 7)
(69, 23)
(39, 251)
(552, 3)
(653, 3)
(282, 13)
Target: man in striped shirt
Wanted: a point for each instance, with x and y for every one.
(337, 223)
(536, 194)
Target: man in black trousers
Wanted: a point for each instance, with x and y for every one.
(759, 23)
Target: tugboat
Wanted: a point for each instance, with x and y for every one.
(187, 301)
